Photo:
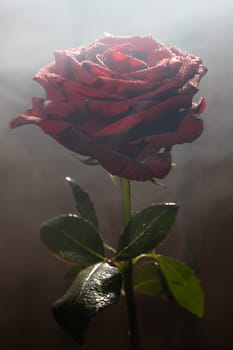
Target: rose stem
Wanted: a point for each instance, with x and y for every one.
(127, 274)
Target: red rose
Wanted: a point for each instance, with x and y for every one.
(124, 101)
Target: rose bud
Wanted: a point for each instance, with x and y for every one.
(124, 101)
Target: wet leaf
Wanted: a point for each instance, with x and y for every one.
(72, 239)
(84, 204)
(146, 230)
(183, 284)
(95, 288)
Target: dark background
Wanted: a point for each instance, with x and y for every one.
(33, 167)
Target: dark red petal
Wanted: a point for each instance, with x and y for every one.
(140, 43)
(63, 64)
(123, 166)
(53, 127)
(159, 165)
(50, 83)
(37, 109)
(164, 88)
(170, 85)
(173, 104)
(122, 63)
(189, 129)
(201, 70)
(62, 109)
(73, 90)
(107, 108)
(24, 119)
(125, 48)
(185, 54)
(157, 55)
(186, 72)
(165, 69)
(80, 73)
(96, 70)
(120, 87)
(68, 66)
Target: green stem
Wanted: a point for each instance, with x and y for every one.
(127, 273)
(126, 199)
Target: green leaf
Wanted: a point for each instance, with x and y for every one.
(147, 279)
(84, 204)
(95, 288)
(146, 230)
(183, 284)
(73, 239)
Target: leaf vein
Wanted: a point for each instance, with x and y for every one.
(89, 250)
(142, 233)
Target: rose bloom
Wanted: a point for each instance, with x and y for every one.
(124, 101)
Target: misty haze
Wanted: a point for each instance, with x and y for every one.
(33, 167)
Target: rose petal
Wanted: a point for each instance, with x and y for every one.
(104, 101)
(166, 68)
(158, 54)
(120, 87)
(123, 166)
(37, 107)
(62, 109)
(140, 43)
(24, 119)
(168, 87)
(189, 129)
(96, 70)
(90, 107)
(189, 70)
(80, 73)
(155, 112)
(53, 127)
(185, 54)
(73, 90)
(122, 63)
(63, 64)
(50, 83)
(108, 108)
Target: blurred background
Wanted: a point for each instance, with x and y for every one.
(33, 168)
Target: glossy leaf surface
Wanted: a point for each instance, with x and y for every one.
(84, 204)
(72, 239)
(94, 288)
(146, 230)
